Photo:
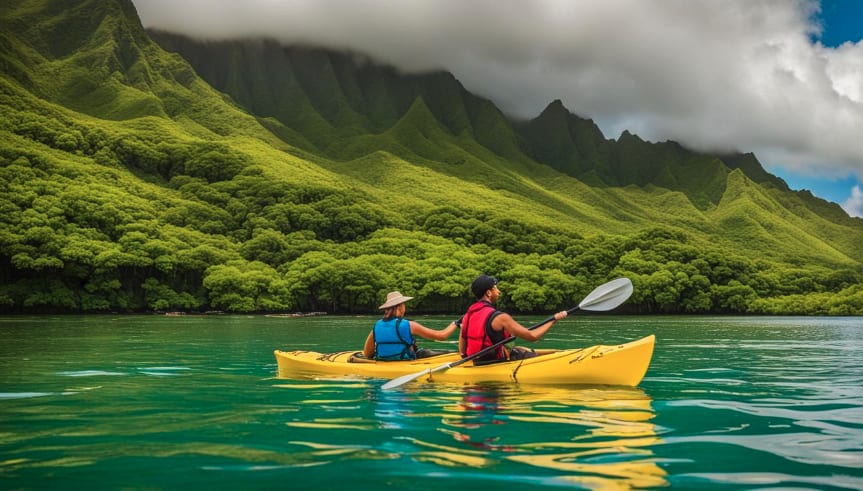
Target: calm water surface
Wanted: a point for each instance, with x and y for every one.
(150, 402)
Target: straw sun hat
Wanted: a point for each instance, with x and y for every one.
(393, 299)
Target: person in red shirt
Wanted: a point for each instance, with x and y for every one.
(483, 325)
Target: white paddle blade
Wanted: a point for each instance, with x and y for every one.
(607, 296)
(398, 382)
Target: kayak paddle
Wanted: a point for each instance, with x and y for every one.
(604, 297)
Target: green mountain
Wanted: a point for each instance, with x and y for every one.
(249, 176)
(361, 101)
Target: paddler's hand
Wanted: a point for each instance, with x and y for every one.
(560, 315)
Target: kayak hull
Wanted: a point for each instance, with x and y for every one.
(622, 364)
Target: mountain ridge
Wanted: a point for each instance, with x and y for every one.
(553, 144)
(571, 144)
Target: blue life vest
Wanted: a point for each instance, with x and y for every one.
(393, 340)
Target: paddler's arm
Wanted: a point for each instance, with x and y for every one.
(506, 322)
(369, 347)
(422, 331)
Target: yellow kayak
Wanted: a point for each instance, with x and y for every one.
(621, 364)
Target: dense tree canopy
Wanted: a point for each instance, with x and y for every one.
(217, 233)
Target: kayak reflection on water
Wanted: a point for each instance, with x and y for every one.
(596, 437)
(480, 407)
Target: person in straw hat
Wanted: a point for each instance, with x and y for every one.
(393, 336)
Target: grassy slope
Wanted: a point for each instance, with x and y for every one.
(119, 80)
(448, 133)
(752, 217)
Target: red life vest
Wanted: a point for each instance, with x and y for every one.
(477, 331)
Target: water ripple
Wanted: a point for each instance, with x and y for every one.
(23, 395)
(803, 448)
(840, 411)
(90, 373)
(774, 480)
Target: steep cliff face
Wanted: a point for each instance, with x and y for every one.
(329, 98)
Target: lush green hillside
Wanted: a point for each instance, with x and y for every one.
(431, 118)
(305, 179)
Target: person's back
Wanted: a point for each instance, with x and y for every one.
(393, 339)
(478, 333)
(489, 326)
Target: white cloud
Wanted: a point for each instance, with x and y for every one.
(714, 75)
(854, 204)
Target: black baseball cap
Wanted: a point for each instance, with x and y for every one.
(482, 284)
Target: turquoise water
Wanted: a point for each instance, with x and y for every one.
(153, 402)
